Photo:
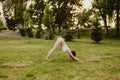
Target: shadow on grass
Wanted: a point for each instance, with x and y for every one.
(63, 61)
(3, 76)
(30, 75)
(16, 64)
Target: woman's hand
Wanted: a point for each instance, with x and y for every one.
(77, 59)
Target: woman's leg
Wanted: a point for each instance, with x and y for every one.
(59, 42)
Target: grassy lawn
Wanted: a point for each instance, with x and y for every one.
(23, 59)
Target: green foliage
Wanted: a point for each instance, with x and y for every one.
(11, 24)
(108, 8)
(1, 24)
(38, 34)
(112, 34)
(26, 16)
(96, 33)
(84, 18)
(48, 20)
(27, 19)
(64, 11)
(29, 32)
(22, 32)
(85, 32)
(78, 32)
(19, 9)
(38, 12)
(68, 36)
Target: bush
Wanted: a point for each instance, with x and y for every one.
(68, 36)
(29, 32)
(85, 32)
(112, 33)
(38, 34)
(2, 28)
(96, 34)
(22, 32)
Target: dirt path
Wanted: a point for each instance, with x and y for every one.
(10, 34)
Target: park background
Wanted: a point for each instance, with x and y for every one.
(29, 28)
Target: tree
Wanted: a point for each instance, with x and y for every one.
(96, 33)
(19, 9)
(4, 7)
(109, 8)
(14, 12)
(27, 19)
(84, 18)
(117, 11)
(101, 5)
(48, 19)
(39, 8)
(63, 10)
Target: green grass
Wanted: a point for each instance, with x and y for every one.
(97, 61)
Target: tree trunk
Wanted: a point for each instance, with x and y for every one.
(53, 29)
(59, 29)
(105, 22)
(118, 23)
(104, 19)
(39, 27)
(106, 27)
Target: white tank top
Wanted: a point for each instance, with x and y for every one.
(65, 48)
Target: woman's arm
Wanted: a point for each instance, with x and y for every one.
(72, 56)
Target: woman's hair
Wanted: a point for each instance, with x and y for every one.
(73, 53)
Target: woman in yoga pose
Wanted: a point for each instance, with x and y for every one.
(60, 42)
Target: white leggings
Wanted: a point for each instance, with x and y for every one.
(59, 41)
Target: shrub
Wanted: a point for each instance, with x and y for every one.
(38, 34)
(112, 33)
(29, 32)
(96, 34)
(2, 28)
(85, 32)
(22, 32)
(68, 36)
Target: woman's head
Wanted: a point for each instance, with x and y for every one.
(73, 53)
